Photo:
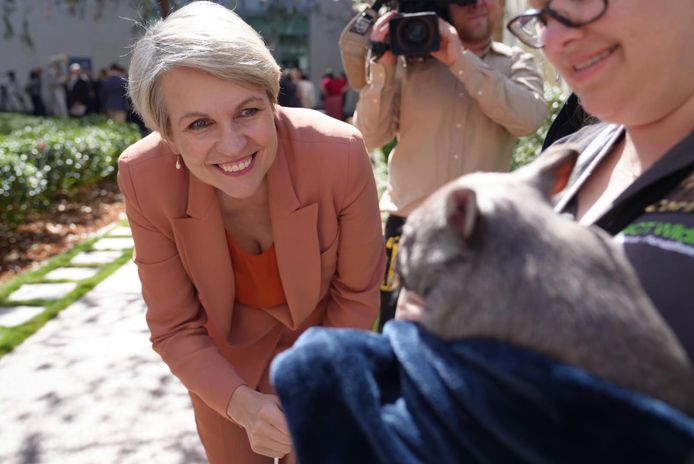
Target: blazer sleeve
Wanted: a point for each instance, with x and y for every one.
(354, 289)
(175, 316)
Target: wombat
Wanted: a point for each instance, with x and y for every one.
(491, 259)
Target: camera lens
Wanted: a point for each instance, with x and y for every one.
(415, 33)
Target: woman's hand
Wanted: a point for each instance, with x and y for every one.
(451, 47)
(379, 33)
(262, 418)
(409, 306)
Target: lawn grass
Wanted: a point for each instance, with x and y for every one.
(11, 337)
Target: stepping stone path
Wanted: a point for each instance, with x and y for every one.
(106, 249)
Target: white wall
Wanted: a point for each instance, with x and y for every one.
(54, 31)
(325, 25)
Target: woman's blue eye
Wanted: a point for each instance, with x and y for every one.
(248, 112)
(198, 124)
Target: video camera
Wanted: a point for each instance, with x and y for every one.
(415, 32)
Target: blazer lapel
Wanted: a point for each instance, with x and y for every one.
(199, 237)
(296, 242)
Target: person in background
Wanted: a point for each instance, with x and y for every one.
(456, 111)
(77, 92)
(33, 89)
(289, 92)
(252, 222)
(14, 99)
(55, 80)
(333, 93)
(113, 93)
(307, 90)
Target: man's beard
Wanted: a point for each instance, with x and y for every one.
(476, 35)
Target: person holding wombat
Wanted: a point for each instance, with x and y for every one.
(635, 177)
(455, 100)
(539, 336)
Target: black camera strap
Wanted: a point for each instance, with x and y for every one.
(378, 48)
(366, 19)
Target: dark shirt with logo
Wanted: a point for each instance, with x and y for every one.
(654, 221)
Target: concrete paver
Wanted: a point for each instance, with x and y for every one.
(113, 243)
(16, 315)
(120, 231)
(96, 257)
(41, 291)
(72, 273)
(87, 388)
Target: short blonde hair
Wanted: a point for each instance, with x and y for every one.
(205, 36)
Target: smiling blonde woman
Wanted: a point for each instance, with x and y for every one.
(251, 222)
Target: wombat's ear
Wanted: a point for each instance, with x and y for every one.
(552, 169)
(461, 210)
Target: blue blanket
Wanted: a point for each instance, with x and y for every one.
(406, 397)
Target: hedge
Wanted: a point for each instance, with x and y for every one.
(45, 159)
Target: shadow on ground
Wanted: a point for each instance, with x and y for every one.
(87, 388)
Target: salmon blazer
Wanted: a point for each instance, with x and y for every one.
(327, 236)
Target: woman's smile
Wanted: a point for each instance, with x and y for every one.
(596, 58)
(584, 67)
(237, 168)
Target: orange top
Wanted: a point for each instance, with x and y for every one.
(257, 277)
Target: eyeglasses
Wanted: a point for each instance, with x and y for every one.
(529, 26)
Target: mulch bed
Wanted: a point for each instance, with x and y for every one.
(66, 224)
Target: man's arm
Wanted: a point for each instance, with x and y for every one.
(377, 111)
(515, 101)
(376, 115)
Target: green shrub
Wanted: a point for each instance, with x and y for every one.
(21, 184)
(43, 159)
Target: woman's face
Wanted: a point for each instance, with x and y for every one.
(224, 132)
(634, 65)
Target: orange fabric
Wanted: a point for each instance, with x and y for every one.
(257, 277)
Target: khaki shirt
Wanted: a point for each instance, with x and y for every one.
(448, 121)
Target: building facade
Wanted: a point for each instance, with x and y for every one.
(96, 33)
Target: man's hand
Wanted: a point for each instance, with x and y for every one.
(379, 33)
(262, 418)
(451, 47)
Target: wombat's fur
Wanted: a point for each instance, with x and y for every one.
(491, 259)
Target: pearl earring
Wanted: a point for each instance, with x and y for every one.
(178, 162)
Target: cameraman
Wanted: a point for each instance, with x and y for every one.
(456, 111)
